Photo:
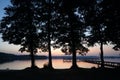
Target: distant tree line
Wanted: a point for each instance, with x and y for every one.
(6, 57)
(65, 24)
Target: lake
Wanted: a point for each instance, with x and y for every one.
(57, 64)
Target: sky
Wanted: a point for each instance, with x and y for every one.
(13, 49)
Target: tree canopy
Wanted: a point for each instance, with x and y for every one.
(34, 24)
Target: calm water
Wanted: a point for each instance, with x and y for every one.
(113, 60)
(57, 64)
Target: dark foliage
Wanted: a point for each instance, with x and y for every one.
(20, 26)
(35, 24)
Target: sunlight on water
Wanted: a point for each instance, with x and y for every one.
(86, 65)
(40, 63)
(57, 64)
(15, 65)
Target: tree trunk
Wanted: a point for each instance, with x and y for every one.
(49, 39)
(32, 52)
(49, 49)
(74, 61)
(50, 56)
(32, 59)
(74, 64)
(101, 55)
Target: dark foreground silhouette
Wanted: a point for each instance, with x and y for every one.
(60, 74)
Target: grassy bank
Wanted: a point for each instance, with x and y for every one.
(60, 74)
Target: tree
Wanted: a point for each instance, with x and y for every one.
(49, 33)
(111, 13)
(48, 16)
(97, 28)
(20, 26)
(71, 31)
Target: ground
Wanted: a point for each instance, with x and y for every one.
(61, 74)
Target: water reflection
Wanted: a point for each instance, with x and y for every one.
(57, 64)
(15, 65)
(86, 65)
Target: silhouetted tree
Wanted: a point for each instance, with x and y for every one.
(49, 33)
(97, 28)
(48, 18)
(111, 13)
(71, 31)
(20, 26)
(66, 48)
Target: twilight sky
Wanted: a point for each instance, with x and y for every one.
(10, 48)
